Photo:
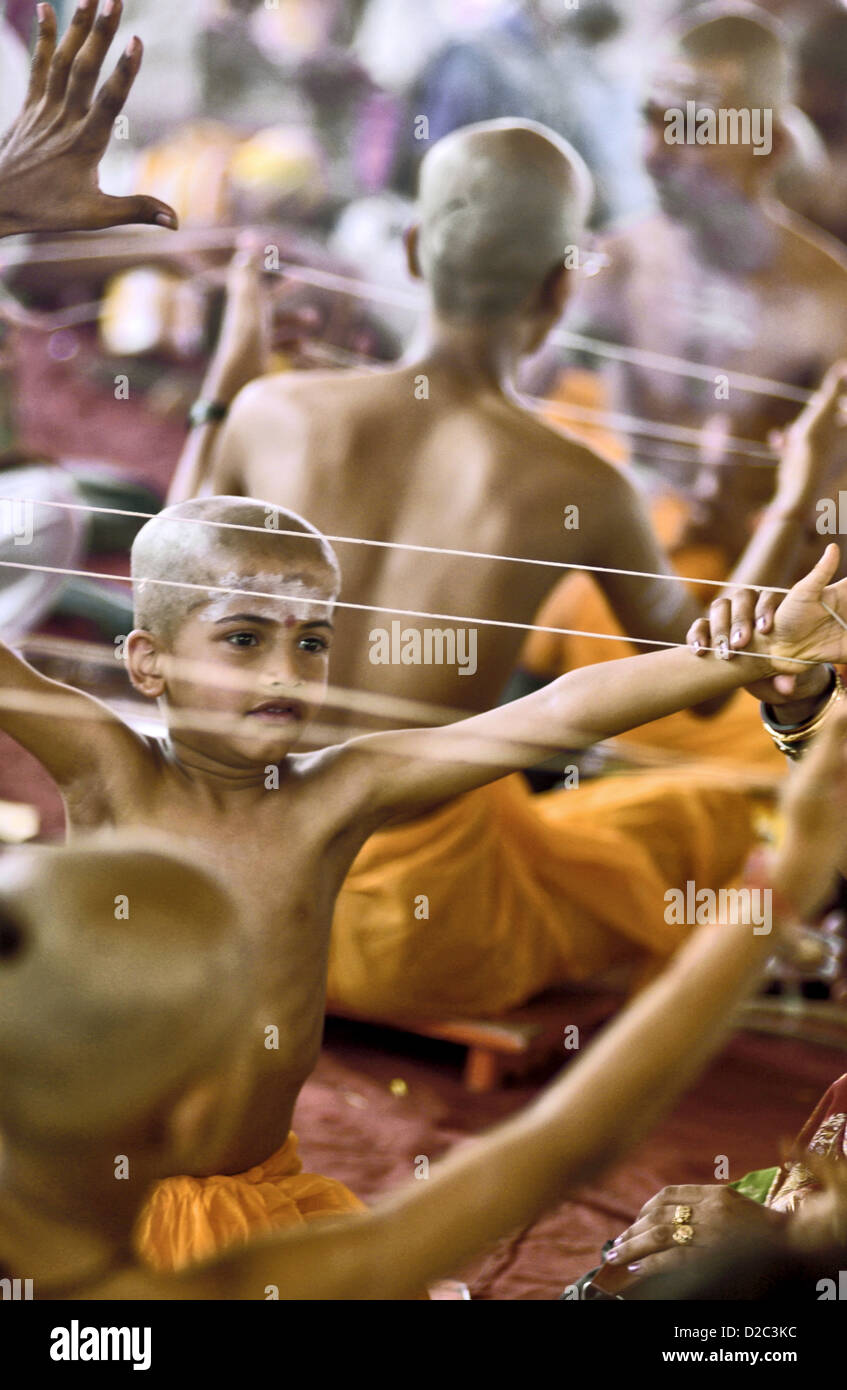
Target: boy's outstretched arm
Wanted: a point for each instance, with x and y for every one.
(49, 157)
(588, 1119)
(73, 735)
(409, 771)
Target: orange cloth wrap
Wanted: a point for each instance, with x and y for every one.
(187, 1219)
(526, 892)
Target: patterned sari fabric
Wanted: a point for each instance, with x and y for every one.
(825, 1133)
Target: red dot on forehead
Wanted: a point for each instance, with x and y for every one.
(290, 622)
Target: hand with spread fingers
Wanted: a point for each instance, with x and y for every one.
(50, 156)
(813, 461)
(811, 622)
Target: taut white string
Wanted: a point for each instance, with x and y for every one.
(389, 545)
(396, 612)
(412, 299)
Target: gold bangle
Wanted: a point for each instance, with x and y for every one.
(793, 742)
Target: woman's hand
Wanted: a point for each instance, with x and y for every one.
(49, 158)
(717, 1213)
(811, 622)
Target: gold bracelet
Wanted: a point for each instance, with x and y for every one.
(793, 742)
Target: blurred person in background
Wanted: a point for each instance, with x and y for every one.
(822, 95)
(724, 276)
(547, 63)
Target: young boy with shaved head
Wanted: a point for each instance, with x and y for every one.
(439, 452)
(238, 662)
(237, 656)
(147, 1023)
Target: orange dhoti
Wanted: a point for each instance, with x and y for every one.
(500, 895)
(187, 1219)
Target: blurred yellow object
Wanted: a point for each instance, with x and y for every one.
(191, 171)
(214, 177)
(398, 1087)
(147, 310)
(278, 165)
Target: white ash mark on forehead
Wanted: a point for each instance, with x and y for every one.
(276, 595)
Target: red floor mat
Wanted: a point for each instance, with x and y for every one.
(351, 1126)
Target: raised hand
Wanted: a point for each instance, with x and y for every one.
(49, 158)
(813, 461)
(813, 451)
(811, 622)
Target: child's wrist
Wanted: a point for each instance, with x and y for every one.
(757, 656)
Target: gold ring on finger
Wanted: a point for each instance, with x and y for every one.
(682, 1216)
(683, 1235)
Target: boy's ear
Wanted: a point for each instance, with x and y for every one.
(411, 239)
(143, 664)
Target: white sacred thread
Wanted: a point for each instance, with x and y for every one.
(411, 612)
(410, 298)
(402, 545)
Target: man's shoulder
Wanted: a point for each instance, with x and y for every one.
(307, 391)
(812, 250)
(555, 448)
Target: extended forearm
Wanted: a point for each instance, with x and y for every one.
(193, 471)
(599, 702)
(588, 1119)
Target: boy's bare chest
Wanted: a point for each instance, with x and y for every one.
(277, 859)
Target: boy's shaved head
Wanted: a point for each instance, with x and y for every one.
(184, 544)
(124, 978)
(737, 56)
(500, 202)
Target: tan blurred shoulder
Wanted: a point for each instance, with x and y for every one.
(554, 449)
(812, 250)
(311, 390)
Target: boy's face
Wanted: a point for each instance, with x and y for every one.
(262, 660)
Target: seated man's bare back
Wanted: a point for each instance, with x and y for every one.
(467, 468)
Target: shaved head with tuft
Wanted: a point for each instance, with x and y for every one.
(219, 543)
(500, 202)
